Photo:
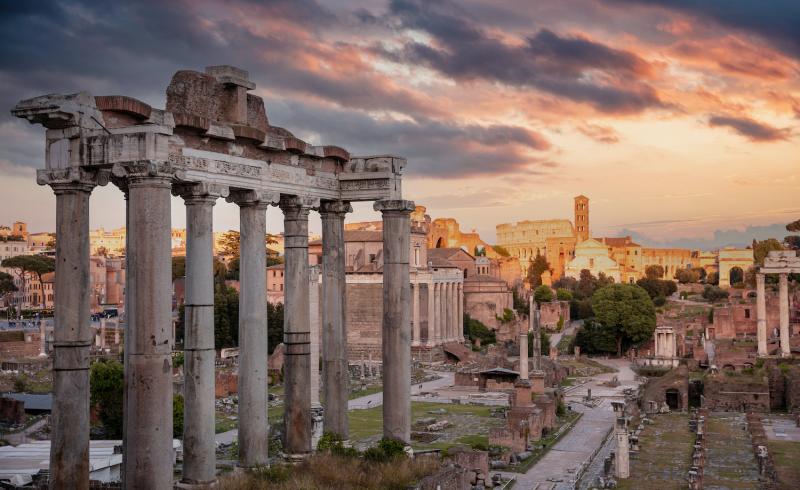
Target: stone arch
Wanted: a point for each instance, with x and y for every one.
(440, 242)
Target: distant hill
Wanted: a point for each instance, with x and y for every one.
(721, 238)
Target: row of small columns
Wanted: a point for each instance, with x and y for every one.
(783, 311)
(147, 403)
(665, 344)
(445, 313)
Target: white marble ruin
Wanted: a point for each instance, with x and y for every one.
(212, 141)
(781, 263)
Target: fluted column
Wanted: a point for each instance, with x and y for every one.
(523, 353)
(69, 451)
(296, 329)
(415, 332)
(199, 458)
(252, 382)
(761, 315)
(453, 308)
(148, 462)
(783, 309)
(396, 332)
(335, 371)
(431, 337)
(441, 319)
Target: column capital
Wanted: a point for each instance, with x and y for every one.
(335, 207)
(144, 172)
(200, 192)
(394, 206)
(72, 179)
(298, 205)
(253, 198)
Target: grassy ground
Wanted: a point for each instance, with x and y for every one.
(786, 455)
(730, 463)
(369, 390)
(665, 456)
(470, 424)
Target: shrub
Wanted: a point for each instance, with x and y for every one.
(714, 293)
(543, 294)
(659, 301)
(20, 384)
(563, 294)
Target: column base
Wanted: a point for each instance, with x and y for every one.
(197, 486)
(296, 458)
(317, 426)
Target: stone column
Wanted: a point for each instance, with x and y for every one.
(297, 363)
(761, 315)
(148, 461)
(523, 353)
(448, 311)
(622, 458)
(783, 309)
(453, 308)
(317, 411)
(437, 314)
(460, 319)
(252, 382)
(199, 458)
(72, 333)
(396, 342)
(431, 340)
(415, 333)
(335, 370)
(444, 331)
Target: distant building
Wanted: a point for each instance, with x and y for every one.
(593, 256)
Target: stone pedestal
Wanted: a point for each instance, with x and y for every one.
(396, 338)
(335, 370)
(296, 328)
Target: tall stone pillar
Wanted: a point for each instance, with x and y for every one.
(396, 342)
(317, 411)
(523, 353)
(431, 339)
(297, 364)
(460, 319)
(252, 382)
(445, 332)
(334, 329)
(622, 457)
(199, 460)
(783, 309)
(72, 334)
(454, 310)
(448, 310)
(147, 462)
(761, 315)
(537, 336)
(415, 335)
(437, 313)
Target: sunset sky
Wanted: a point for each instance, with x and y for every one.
(676, 118)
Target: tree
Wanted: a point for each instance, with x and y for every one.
(587, 284)
(627, 310)
(712, 278)
(226, 317)
(538, 267)
(563, 294)
(106, 381)
(792, 242)
(274, 325)
(178, 267)
(229, 243)
(762, 248)
(793, 226)
(595, 338)
(477, 330)
(501, 251)
(736, 275)
(714, 293)
(654, 272)
(36, 265)
(6, 284)
(177, 416)
(543, 294)
(567, 283)
(657, 287)
(686, 276)
(521, 305)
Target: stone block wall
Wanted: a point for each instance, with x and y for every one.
(364, 317)
(12, 412)
(226, 384)
(739, 393)
(792, 393)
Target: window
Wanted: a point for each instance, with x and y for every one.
(747, 312)
(591, 263)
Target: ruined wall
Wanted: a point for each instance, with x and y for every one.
(736, 393)
(17, 344)
(792, 391)
(12, 412)
(364, 316)
(552, 312)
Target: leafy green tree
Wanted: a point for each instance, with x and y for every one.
(226, 317)
(538, 267)
(714, 293)
(544, 338)
(543, 294)
(627, 310)
(586, 285)
(521, 305)
(762, 248)
(567, 283)
(712, 278)
(501, 251)
(106, 381)
(793, 226)
(274, 325)
(654, 272)
(6, 284)
(792, 242)
(563, 294)
(475, 329)
(685, 276)
(32, 265)
(657, 287)
(736, 275)
(595, 338)
(177, 416)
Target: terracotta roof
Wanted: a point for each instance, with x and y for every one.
(363, 236)
(447, 253)
(618, 241)
(441, 263)
(279, 267)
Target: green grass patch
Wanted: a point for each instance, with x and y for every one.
(786, 455)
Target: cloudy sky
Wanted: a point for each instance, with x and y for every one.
(679, 119)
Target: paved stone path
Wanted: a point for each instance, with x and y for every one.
(560, 466)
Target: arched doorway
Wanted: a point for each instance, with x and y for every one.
(736, 275)
(440, 242)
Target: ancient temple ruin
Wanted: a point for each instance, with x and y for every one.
(781, 263)
(212, 141)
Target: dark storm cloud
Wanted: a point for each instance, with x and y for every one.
(434, 148)
(750, 128)
(575, 68)
(777, 21)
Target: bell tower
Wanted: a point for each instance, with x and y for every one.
(581, 218)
